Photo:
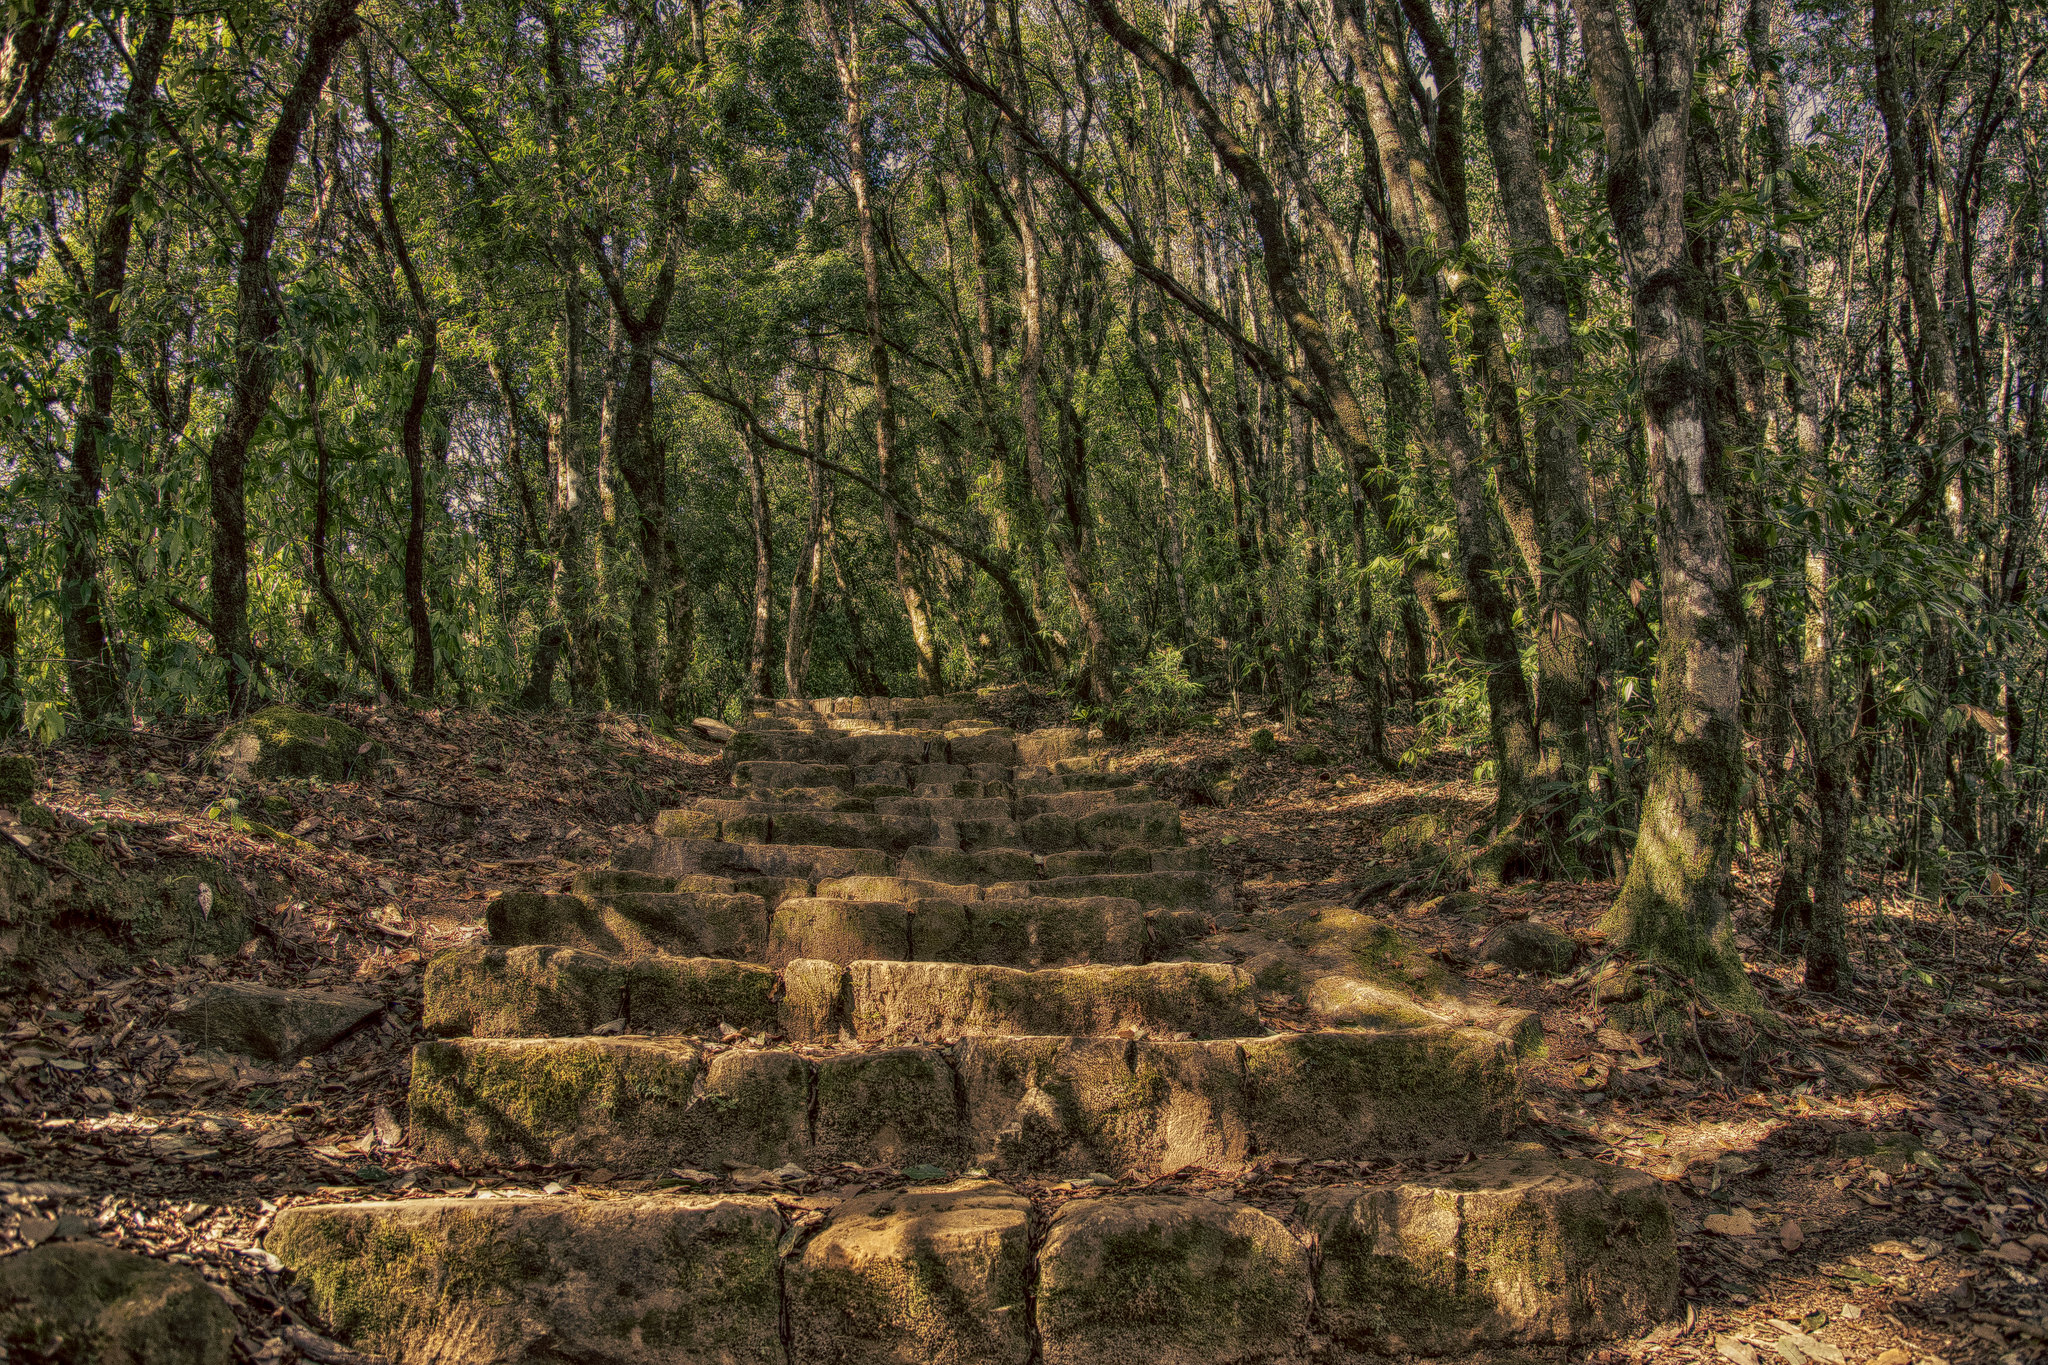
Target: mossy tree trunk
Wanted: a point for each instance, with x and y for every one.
(1673, 907)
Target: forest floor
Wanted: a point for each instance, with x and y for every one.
(1792, 1249)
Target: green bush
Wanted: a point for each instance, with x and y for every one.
(1264, 743)
(1159, 695)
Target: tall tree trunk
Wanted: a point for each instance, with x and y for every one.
(571, 594)
(1063, 517)
(95, 681)
(846, 57)
(1673, 907)
(764, 580)
(804, 582)
(412, 427)
(1567, 663)
(1420, 220)
(331, 24)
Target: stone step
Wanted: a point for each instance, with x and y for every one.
(677, 857)
(837, 829)
(965, 867)
(1032, 933)
(654, 1104)
(636, 924)
(1078, 803)
(771, 775)
(930, 1000)
(1200, 891)
(858, 748)
(487, 991)
(953, 808)
(1515, 1251)
(1051, 784)
(1028, 1104)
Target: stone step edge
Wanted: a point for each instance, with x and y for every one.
(1310, 1263)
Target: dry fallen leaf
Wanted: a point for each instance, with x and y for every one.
(1740, 1223)
(1735, 1350)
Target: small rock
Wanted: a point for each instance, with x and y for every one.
(717, 731)
(276, 1025)
(1897, 1355)
(1740, 1223)
(1526, 947)
(1791, 1236)
(280, 741)
(87, 1302)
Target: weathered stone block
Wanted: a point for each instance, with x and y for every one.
(839, 931)
(894, 1106)
(1520, 1250)
(813, 1005)
(836, 829)
(1154, 824)
(977, 867)
(484, 991)
(935, 1274)
(696, 994)
(1381, 1092)
(619, 1102)
(648, 1280)
(636, 923)
(941, 999)
(1160, 1280)
(1103, 1104)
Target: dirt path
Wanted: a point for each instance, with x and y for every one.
(1793, 1245)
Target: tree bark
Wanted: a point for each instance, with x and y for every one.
(412, 427)
(332, 23)
(1673, 908)
(846, 58)
(804, 581)
(95, 680)
(29, 44)
(764, 580)
(352, 640)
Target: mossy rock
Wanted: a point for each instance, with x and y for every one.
(17, 779)
(282, 741)
(936, 1274)
(1375, 950)
(84, 1303)
(941, 999)
(1520, 1250)
(637, 1281)
(1263, 742)
(1890, 1152)
(1164, 1280)
(1413, 836)
(1311, 756)
(895, 1106)
(1526, 947)
(276, 1025)
(174, 910)
(1432, 1092)
(485, 991)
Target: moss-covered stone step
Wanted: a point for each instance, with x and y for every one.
(1082, 802)
(633, 923)
(811, 862)
(643, 1280)
(936, 1273)
(1170, 1280)
(1041, 932)
(606, 881)
(853, 748)
(843, 829)
(770, 775)
(1517, 1250)
(926, 1000)
(1154, 890)
(950, 808)
(1086, 862)
(967, 867)
(484, 991)
(1347, 1000)
(647, 1104)
(1058, 1104)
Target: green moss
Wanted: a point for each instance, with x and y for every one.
(575, 1099)
(723, 1267)
(281, 741)
(690, 995)
(17, 779)
(1264, 743)
(1421, 1090)
(1192, 1284)
(376, 1281)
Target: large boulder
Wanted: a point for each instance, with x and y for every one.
(1168, 1280)
(92, 1304)
(1518, 1250)
(282, 741)
(275, 1025)
(935, 1274)
(648, 1280)
(1528, 947)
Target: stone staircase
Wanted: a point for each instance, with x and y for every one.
(915, 942)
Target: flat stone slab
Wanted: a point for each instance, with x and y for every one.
(1165, 1280)
(838, 930)
(1038, 931)
(483, 991)
(969, 867)
(1153, 890)
(1519, 1250)
(94, 1303)
(647, 1280)
(276, 1025)
(914, 1000)
(936, 1274)
(1368, 1093)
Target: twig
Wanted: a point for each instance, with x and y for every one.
(327, 1352)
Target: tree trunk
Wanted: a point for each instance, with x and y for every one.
(1063, 511)
(1567, 664)
(95, 681)
(571, 595)
(1673, 908)
(33, 35)
(412, 428)
(332, 23)
(846, 57)
(764, 580)
(803, 583)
